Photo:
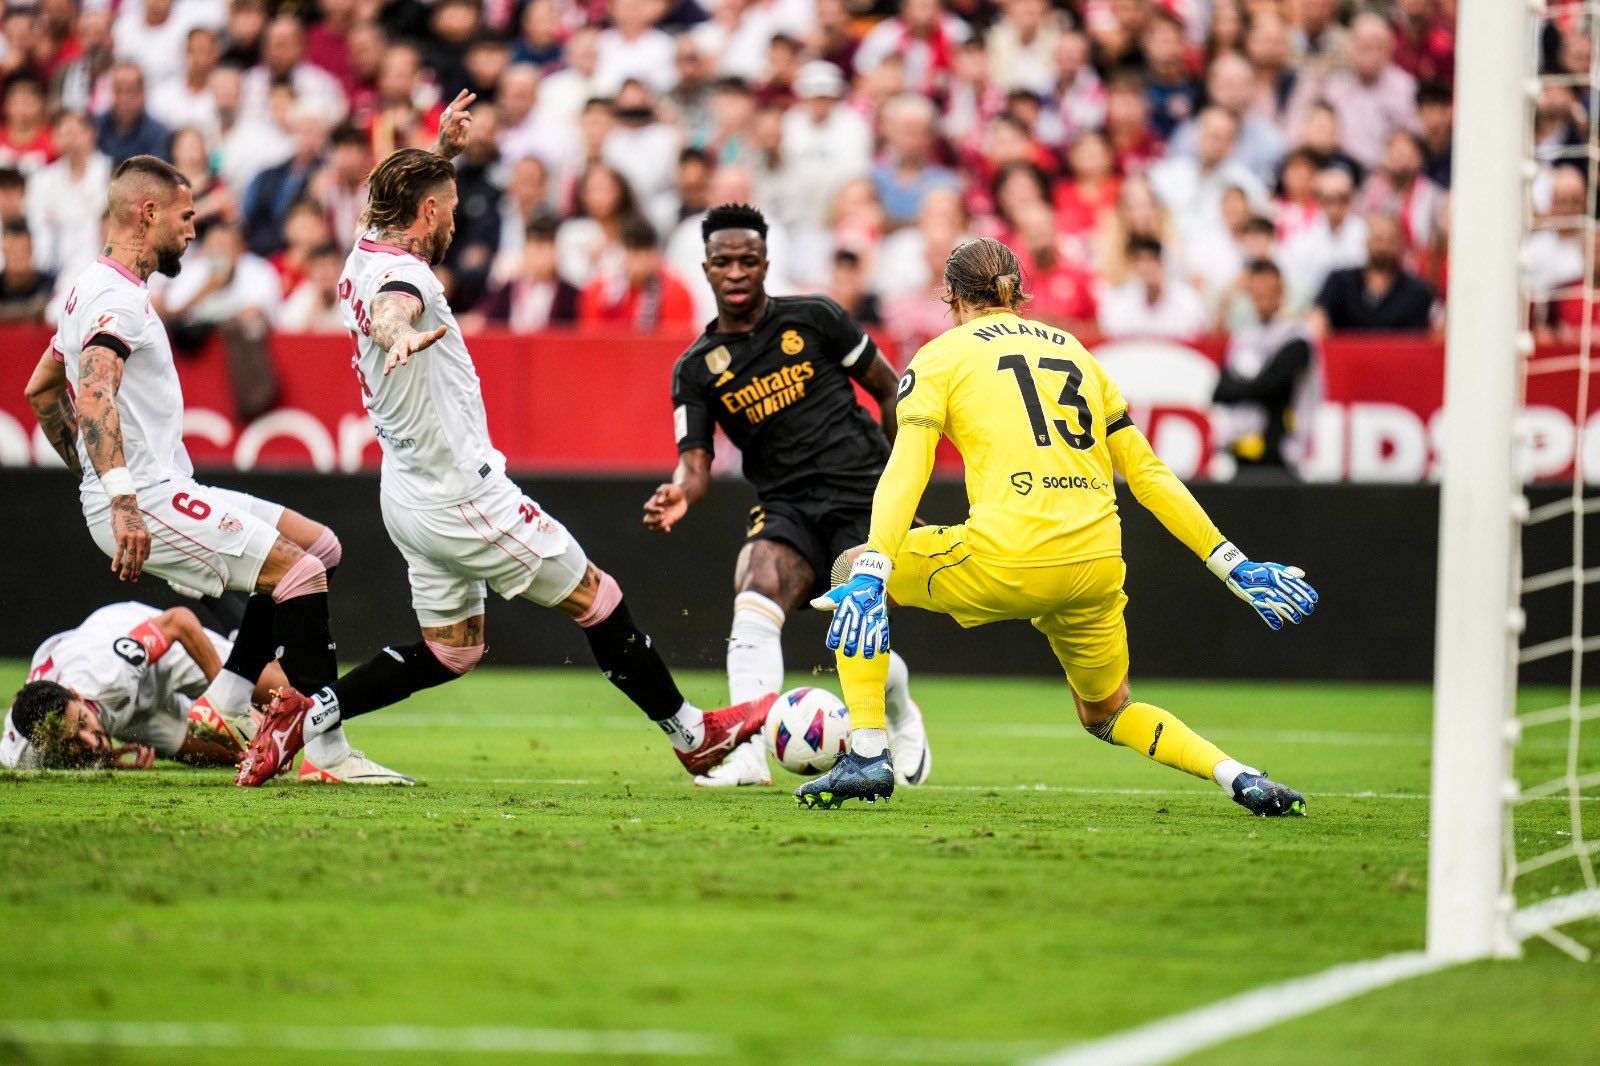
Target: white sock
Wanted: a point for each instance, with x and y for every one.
(229, 693)
(686, 728)
(755, 648)
(323, 715)
(869, 743)
(328, 748)
(1228, 770)
(897, 690)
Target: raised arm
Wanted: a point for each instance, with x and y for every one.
(99, 378)
(1277, 593)
(51, 401)
(454, 126)
(393, 313)
(689, 485)
(883, 385)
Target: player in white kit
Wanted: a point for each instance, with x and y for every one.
(107, 397)
(462, 525)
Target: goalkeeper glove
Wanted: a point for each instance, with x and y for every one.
(860, 608)
(1278, 593)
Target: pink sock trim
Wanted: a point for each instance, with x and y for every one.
(327, 548)
(305, 577)
(456, 660)
(605, 601)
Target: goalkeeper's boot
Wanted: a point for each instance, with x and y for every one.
(354, 769)
(281, 736)
(852, 777)
(1264, 797)
(725, 730)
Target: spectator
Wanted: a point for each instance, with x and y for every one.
(312, 306)
(24, 288)
(247, 23)
(848, 285)
(267, 201)
(1378, 297)
(1172, 89)
(826, 142)
(590, 242)
(1436, 116)
(1399, 188)
(25, 140)
(1554, 251)
(488, 58)
(907, 172)
(402, 119)
(1335, 241)
(75, 85)
(283, 62)
(152, 34)
(1193, 186)
(911, 262)
(1257, 142)
(1294, 207)
(526, 201)
(1134, 143)
(1319, 135)
(1266, 368)
(340, 187)
(213, 199)
(1062, 285)
(537, 297)
(834, 39)
(527, 130)
(1139, 213)
(187, 100)
(225, 290)
(66, 199)
(691, 95)
(633, 49)
(13, 195)
(304, 231)
(1021, 46)
(1151, 303)
(1079, 99)
(1266, 46)
(783, 67)
(923, 35)
(243, 146)
(563, 93)
(1089, 194)
(1373, 98)
(328, 40)
(127, 129)
(1319, 39)
(477, 236)
(1424, 41)
(452, 25)
(367, 45)
(643, 295)
(539, 35)
(641, 146)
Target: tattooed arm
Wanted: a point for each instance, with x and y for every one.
(392, 315)
(454, 126)
(51, 401)
(99, 377)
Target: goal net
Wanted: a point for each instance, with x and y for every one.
(1515, 834)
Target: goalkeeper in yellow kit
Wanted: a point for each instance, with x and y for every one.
(1041, 428)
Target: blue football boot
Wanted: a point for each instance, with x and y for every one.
(1262, 796)
(852, 777)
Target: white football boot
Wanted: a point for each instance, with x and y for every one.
(354, 769)
(908, 741)
(745, 765)
(231, 729)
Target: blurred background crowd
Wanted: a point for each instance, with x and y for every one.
(1164, 167)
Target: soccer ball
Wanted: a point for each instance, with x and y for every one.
(807, 730)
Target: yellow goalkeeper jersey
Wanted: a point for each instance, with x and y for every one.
(1041, 427)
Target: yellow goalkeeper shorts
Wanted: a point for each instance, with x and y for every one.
(1078, 606)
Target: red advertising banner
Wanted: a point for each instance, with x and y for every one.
(599, 402)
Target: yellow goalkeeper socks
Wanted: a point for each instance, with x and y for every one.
(1160, 735)
(863, 680)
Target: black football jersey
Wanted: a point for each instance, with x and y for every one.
(783, 394)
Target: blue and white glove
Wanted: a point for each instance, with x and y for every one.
(1278, 593)
(860, 608)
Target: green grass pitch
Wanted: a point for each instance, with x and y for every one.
(558, 883)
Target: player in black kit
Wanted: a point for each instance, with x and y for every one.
(776, 374)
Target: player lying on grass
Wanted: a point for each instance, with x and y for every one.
(119, 690)
(1041, 429)
(107, 397)
(461, 524)
(776, 373)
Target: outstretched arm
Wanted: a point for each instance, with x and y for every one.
(689, 485)
(393, 313)
(99, 378)
(883, 385)
(51, 401)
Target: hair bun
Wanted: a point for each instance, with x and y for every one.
(1005, 287)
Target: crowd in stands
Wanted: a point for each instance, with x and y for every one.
(1152, 161)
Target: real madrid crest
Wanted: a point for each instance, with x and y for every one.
(718, 358)
(792, 343)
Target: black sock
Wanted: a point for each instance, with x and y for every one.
(253, 646)
(389, 677)
(300, 629)
(631, 663)
(226, 610)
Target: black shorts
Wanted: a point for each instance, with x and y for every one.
(820, 530)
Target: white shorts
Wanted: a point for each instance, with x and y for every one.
(500, 538)
(202, 538)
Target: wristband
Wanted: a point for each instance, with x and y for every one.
(117, 481)
(873, 564)
(1222, 561)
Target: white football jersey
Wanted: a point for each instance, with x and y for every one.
(109, 301)
(429, 415)
(105, 665)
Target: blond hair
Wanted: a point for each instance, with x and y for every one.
(984, 273)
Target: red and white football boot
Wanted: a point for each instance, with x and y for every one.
(280, 736)
(725, 730)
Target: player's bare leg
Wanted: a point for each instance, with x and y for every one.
(625, 654)
(1161, 736)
